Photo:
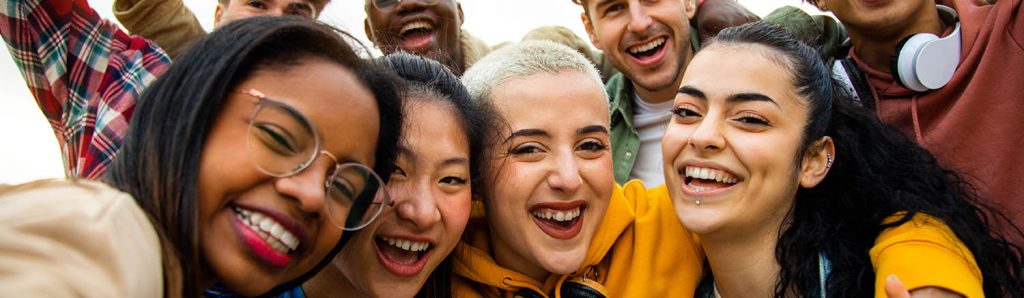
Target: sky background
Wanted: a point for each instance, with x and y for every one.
(29, 149)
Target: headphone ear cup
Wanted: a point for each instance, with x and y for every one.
(578, 287)
(905, 59)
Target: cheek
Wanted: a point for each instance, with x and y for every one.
(673, 142)
(455, 214)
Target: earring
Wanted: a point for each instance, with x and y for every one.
(828, 165)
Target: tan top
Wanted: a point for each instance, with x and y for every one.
(76, 239)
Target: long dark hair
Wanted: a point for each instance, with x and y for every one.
(878, 172)
(424, 76)
(159, 161)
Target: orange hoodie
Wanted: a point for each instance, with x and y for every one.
(639, 250)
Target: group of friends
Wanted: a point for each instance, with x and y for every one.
(698, 151)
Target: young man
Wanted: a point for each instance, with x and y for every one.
(971, 122)
(174, 27)
(429, 28)
(650, 44)
(86, 74)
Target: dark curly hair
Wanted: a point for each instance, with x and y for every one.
(878, 172)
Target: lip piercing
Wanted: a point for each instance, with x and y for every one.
(698, 202)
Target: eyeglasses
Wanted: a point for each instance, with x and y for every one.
(282, 142)
(384, 4)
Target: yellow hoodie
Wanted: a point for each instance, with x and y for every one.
(639, 250)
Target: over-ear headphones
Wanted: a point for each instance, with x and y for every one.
(924, 61)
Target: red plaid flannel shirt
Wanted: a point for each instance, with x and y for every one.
(85, 73)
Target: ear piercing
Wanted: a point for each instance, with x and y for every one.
(828, 165)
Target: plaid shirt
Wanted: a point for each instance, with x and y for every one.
(84, 72)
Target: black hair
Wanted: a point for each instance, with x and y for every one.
(159, 161)
(878, 172)
(428, 77)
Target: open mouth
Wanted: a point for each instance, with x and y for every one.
(403, 257)
(560, 220)
(266, 237)
(416, 35)
(701, 179)
(649, 51)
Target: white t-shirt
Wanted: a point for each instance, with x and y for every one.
(650, 120)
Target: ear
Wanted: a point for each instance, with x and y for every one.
(590, 30)
(821, 4)
(462, 17)
(369, 31)
(817, 161)
(690, 6)
(217, 14)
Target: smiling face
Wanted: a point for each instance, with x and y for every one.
(239, 204)
(734, 142)
(648, 41)
(234, 10)
(428, 30)
(551, 177)
(880, 18)
(431, 189)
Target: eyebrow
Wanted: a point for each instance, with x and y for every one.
(592, 129)
(529, 132)
(455, 161)
(733, 98)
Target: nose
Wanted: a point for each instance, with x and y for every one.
(410, 6)
(416, 202)
(307, 187)
(565, 176)
(639, 20)
(708, 135)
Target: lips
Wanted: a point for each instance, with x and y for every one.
(562, 220)
(648, 53)
(417, 35)
(402, 256)
(270, 237)
(706, 181)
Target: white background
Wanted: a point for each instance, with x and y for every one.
(28, 149)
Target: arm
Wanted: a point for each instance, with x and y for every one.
(714, 15)
(84, 73)
(924, 253)
(169, 23)
(76, 239)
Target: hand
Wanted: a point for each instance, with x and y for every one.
(715, 15)
(894, 289)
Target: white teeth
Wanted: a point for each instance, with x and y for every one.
(557, 215)
(406, 244)
(415, 25)
(271, 231)
(710, 174)
(647, 46)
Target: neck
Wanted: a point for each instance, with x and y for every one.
(506, 257)
(666, 93)
(744, 265)
(875, 46)
(330, 282)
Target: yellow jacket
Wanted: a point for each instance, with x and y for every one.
(639, 250)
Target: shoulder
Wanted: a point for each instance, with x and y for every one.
(77, 238)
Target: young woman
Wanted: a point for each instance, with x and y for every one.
(556, 223)
(405, 252)
(248, 159)
(796, 190)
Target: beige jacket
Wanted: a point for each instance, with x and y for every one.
(76, 239)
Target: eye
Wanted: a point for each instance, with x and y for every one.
(342, 188)
(398, 172)
(685, 113)
(592, 146)
(613, 8)
(257, 4)
(302, 10)
(751, 119)
(453, 180)
(275, 138)
(525, 149)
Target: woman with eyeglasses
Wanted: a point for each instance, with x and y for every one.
(405, 252)
(796, 190)
(244, 166)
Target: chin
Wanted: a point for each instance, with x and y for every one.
(564, 263)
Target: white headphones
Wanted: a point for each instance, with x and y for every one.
(924, 61)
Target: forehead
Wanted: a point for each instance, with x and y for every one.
(432, 125)
(548, 99)
(332, 98)
(723, 70)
